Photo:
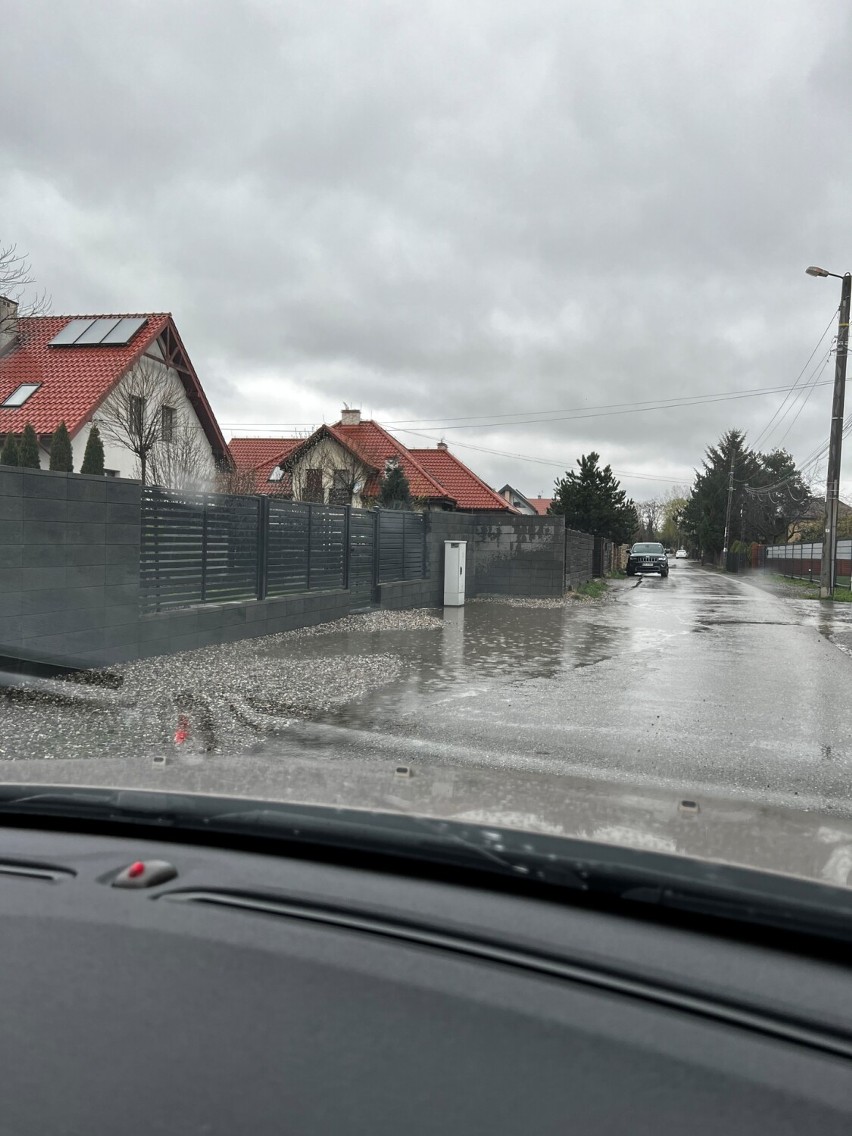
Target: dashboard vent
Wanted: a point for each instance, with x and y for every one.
(48, 873)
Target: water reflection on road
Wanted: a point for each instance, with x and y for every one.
(700, 680)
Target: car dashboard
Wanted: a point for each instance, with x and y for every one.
(165, 985)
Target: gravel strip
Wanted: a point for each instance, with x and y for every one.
(226, 694)
(415, 619)
(553, 604)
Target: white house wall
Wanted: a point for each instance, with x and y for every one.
(326, 455)
(123, 460)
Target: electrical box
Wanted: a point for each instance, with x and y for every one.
(455, 555)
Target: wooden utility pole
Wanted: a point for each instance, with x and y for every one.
(835, 443)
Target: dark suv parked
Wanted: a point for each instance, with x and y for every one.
(647, 557)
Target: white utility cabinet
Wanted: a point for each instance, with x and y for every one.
(455, 555)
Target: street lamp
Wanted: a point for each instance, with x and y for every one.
(835, 438)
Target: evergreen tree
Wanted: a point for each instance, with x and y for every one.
(28, 449)
(9, 453)
(60, 450)
(768, 495)
(394, 490)
(93, 458)
(704, 515)
(591, 499)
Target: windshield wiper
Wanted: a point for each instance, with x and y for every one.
(557, 867)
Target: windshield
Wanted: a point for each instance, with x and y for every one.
(346, 354)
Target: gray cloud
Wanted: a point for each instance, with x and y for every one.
(450, 209)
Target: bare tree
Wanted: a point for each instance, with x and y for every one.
(650, 514)
(15, 279)
(181, 460)
(144, 414)
(236, 482)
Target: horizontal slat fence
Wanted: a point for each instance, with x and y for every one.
(402, 546)
(213, 548)
(288, 553)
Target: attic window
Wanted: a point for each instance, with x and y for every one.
(19, 396)
(111, 331)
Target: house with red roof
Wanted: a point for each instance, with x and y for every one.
(531, 506)
(257, 463)
(73, 369)
(344, 464)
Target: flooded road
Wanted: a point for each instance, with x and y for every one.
(700, 683)
(701, 680)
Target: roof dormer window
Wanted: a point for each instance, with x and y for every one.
(19, 395)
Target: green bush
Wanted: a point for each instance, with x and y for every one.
(93, 458)
(28, 449)
(60, 450)
(9, 453)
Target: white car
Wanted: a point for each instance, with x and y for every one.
(680, 554)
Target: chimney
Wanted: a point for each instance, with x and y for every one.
(443, 446)
(350, 417)
(8, 323)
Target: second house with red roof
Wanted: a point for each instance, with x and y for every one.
(343, 464)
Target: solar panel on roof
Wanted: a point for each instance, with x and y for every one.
(96, 332)
(70, 332)
(110, 331)
(123, 331)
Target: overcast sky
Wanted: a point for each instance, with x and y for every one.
(451, 212)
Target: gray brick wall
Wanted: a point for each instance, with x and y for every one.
(69, 574)
(70, 577)
(579, 552)
(506, 554)
(69, 580)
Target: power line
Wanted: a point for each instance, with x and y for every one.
(611, 411)
(606, 411)
(764, 433)
(802, 404)
(543, 461)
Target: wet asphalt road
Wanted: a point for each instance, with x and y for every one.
(700, 681)
(700, 684)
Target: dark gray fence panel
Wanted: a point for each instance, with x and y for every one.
(213, 548)
(402, 545)
(362, 531)
(288, 552)
(172, 550)
(414, 546)
(231, 548)
(328, 547)
(390, 545)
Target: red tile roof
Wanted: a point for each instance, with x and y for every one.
(261, 456)
(461, 483)
(435, 475)
(74, 380)
(375, 445)
(540, 504)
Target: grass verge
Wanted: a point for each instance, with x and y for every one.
(810, 591)
(593, 590)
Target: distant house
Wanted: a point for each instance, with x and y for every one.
(531, 506)
(72, 368)
(257, 463)
(814, 514)
(344, 463)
